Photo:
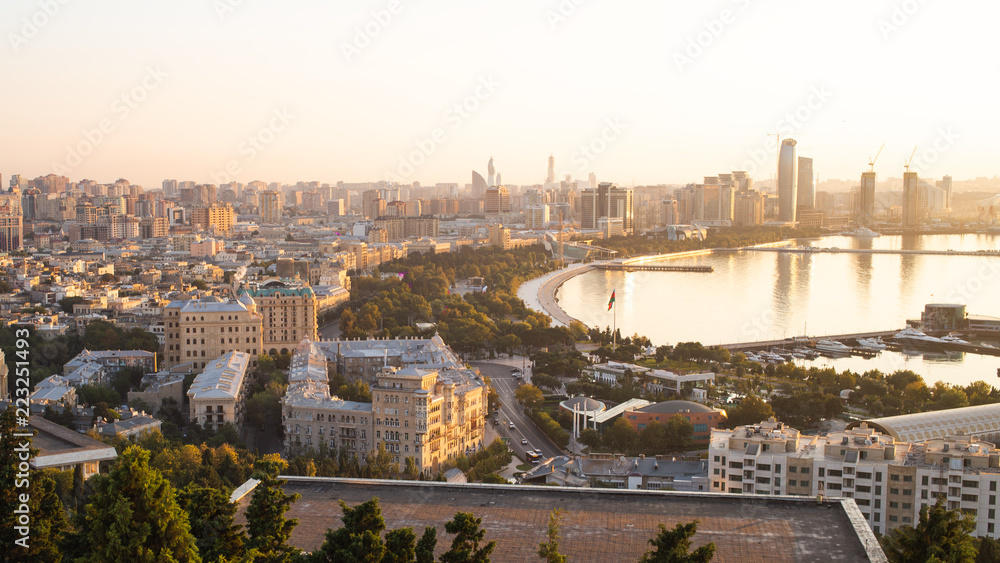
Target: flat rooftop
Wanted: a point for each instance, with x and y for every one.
(600, 525)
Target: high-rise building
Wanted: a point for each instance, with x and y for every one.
(945, 185)
(609, 201)
(913, 207)
(270, 207)
(864, 200)
(492, 171)
(479, 185)
(536, 216)
(668, 212)
(500, 236)
(217, 218)
(806, 190)
(372, 204)
(550, 178)
(788, 178)
(748, 208)
(497, 200)
(11, 221)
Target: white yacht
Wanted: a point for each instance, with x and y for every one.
(872, 343)
(913, 336)
(953, 339)
(833, 347)
(864, 232)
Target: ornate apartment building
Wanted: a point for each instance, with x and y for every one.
(425, 404)
(289, 315)
(200, 330)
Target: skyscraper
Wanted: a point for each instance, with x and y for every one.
(497, 201)
(11, 225)
(806, 191)
(865, 203)
(788, 178)
(479, 185)
(607, 201)
(945, 184)
(492, 172)
(270, 207)
(550, 178)
(912, 205)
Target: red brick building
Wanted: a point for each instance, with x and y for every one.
(703, 418)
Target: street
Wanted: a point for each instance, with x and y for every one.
(501, 378)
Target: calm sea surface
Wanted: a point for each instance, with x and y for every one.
(760, 295)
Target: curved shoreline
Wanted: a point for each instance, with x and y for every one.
(539, 294)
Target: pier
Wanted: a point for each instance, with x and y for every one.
(804, 341)
(820, 250)
(619, 266)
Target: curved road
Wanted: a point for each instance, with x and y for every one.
(503, 381)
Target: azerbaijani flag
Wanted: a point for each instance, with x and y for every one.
(611, 302)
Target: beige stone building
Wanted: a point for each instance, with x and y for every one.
(289, 315)
(199, 331)
(218, 394)
(426, 405)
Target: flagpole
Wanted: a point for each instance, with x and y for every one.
(614, 322)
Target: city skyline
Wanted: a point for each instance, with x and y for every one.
(215, 91)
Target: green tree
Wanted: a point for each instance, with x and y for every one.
(211, 516)
(468, 536)
(400, 546)
(426, 545)
(621, 438)
(529, 396)
(549, 551)
(268, 528)
(940, 535)
(751, 410)
(360, 537)
(133, 515)
(673, 546)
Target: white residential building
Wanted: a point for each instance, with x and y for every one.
(218, 393)
(889, 480)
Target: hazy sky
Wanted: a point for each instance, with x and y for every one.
(661, 91)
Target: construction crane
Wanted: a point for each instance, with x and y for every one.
(871, 161)
(909, 160)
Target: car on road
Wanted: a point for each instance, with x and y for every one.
(524, 441)
(511, 425)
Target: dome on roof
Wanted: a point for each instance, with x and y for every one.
(247, 301)
(583, 404)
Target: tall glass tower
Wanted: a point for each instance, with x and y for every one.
(788, 180)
